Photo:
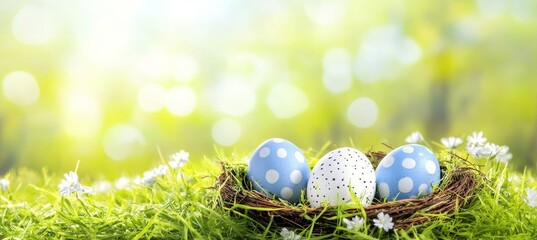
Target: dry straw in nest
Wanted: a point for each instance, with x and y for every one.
(456, 189)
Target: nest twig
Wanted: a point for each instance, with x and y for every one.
(456, 189)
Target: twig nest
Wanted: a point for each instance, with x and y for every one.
(456, 188)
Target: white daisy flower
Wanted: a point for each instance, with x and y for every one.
(4, 183)
(414, 137)
(150, 176)
(160, 170)
(472, 150)
(503, 154)
(178, 160)
(71, 185)
(356, 223)
(451, 142)
(86, 190)
(289, 235)
(531, 197)
(122, 183)
(102, 186)
(383, 221)
(488, 151)
(476, 139)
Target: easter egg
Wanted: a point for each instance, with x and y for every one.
(407, 172)
(278, 167)
(340, 174)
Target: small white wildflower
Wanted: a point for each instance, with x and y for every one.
(289, 235)
(488, 151)
(356, 223)
(476, 139)
(4, 183)
(122, 183)
(451, 142)
(414, 137)
(71, 185)
(150, 176)
(514, 178)
(160, 170)
(101, 186)
(138, 180)
(178, 160)
(86, 190)
(531, 197)
(383, 221)
(503, 154)
(473, 150)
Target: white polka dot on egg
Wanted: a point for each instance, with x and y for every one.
(405, 185)
(286, 193)
(277, 140)
(272, 176)
(423, 187)
(409, 163)
(384, 190)
(408, 149)
(388, 162)
(264, 152)
(299, 157)
(430, 166)
(282, 153)
(296, 177)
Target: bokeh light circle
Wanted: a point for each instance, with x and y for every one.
(362, 112)
(181, 101)
(233, 96)
(151, 97)
(20, 88)
(122, 141)
(33, 25)
(383, 52)
(337, 70)
(286, 100)
(226, 132)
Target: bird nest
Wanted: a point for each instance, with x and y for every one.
(458, 185)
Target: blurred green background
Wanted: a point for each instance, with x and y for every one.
(110, 82)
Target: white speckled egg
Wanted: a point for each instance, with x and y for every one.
(337, 174)
(407, 172)
(279, 168)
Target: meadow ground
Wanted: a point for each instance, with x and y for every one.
(178, 200)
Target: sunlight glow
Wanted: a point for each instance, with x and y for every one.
(185, 68)
(326, 12)
(151, 97)
(81, 113)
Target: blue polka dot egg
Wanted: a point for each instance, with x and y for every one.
(279, 168)
(407, 172)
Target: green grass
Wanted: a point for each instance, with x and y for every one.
(184, 204)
